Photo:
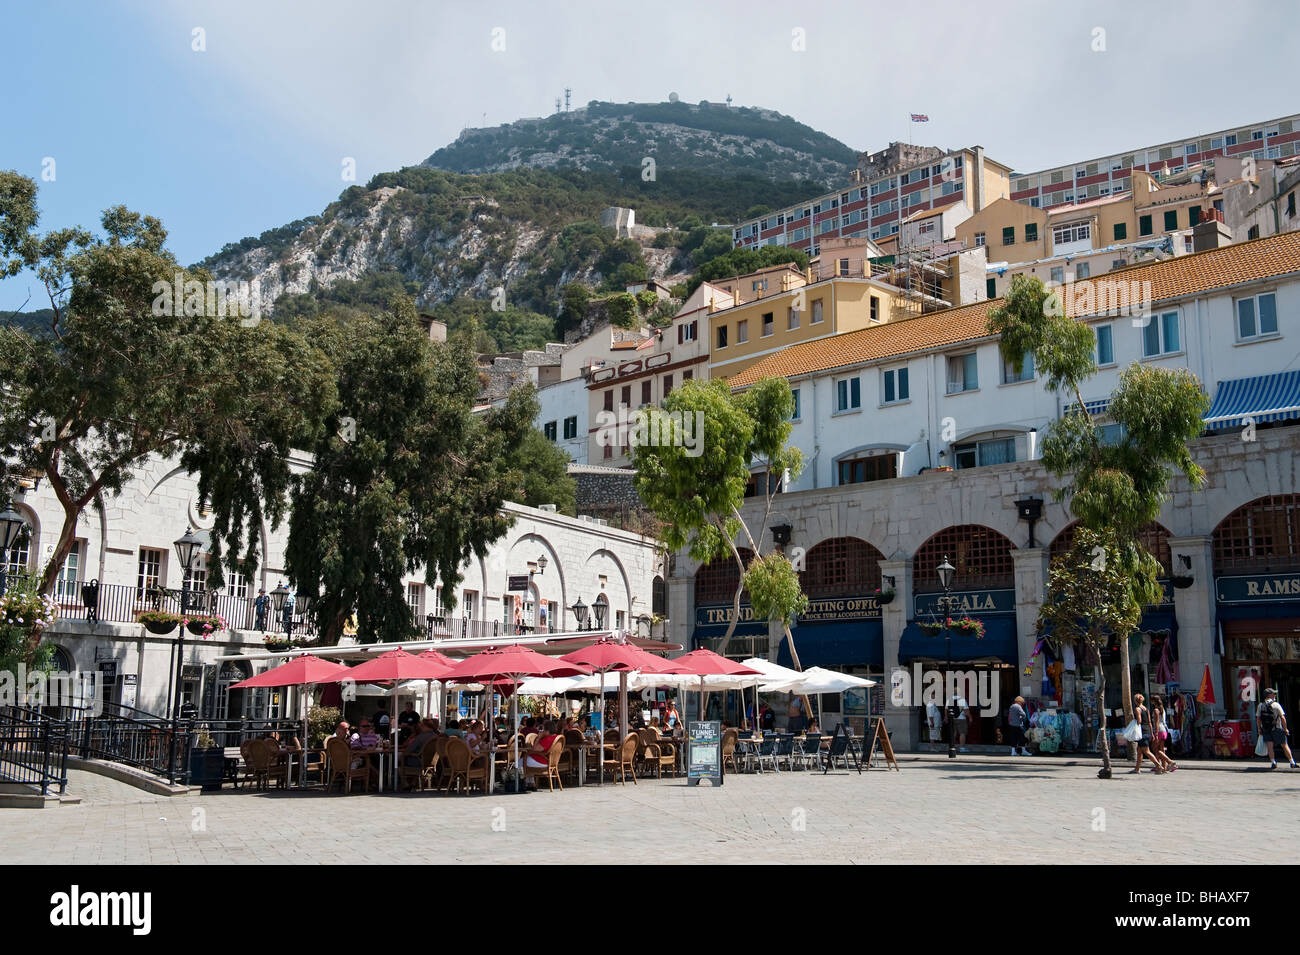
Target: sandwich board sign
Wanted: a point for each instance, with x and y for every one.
(704, 752)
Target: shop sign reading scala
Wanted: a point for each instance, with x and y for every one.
(1258, 587)
(968, 602)
(819, 608)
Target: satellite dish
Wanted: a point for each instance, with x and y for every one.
(672, 97)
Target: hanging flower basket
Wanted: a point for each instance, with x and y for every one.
(276, 644)
(205, 626)
(930, 628)
(967, 626)
(158, 621)
(884, 597)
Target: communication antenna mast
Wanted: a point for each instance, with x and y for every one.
(567, 92)
(728, 100)
(557, 104)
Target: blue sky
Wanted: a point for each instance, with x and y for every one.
(251, 132)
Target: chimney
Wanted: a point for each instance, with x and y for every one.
(1211, 232)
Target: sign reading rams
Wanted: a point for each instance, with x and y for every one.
(1257, 587)
(819, 608)
(968, 602)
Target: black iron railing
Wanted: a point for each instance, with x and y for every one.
(33, 749)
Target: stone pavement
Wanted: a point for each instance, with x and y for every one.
(929, 812)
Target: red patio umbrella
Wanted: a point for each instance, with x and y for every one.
(514, 663)
(397, 665)
(606, 655)
(299, 671)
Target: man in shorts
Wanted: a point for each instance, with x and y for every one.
(1272, 727)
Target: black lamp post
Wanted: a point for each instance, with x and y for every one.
(12, 527)
(580, 613)
(946, 572)
(283, 608)
(187, 549)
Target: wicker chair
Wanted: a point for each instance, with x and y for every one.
(552, 769)
(624, 760)
(463, 768)
(421, 773)
(659, 755)
(254, 772)
(441, 768)
(729, 739)
(340, 759)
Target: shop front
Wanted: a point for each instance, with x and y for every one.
(845, 634)
(983, 666)
(1259, 629)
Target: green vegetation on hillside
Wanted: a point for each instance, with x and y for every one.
(744, 261)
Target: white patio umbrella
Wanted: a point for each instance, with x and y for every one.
(772, 673)
(815, 681)
(548, 685)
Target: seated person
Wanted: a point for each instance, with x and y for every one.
(426, 730)
(476, 738)
(408, 722)
(453, 729)
(367, 738)
(813, 727)
(344, 732)
(536, 755)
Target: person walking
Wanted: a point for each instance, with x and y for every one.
(1272, 727)
(962, 708)
(1017, 720)
(1160, 739)
(1142, 715)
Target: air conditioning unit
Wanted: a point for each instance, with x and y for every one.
(548, 508)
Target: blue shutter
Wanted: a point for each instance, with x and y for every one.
(902, 384)
(889, 387)
(857, 392)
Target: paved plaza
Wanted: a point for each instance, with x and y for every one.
(1005, 812)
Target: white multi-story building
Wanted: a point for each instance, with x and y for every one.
(923, 444)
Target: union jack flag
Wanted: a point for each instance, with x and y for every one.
(920, 118)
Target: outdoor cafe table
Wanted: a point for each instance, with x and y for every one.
(383, 753)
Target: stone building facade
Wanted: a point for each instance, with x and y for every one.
(129, 553)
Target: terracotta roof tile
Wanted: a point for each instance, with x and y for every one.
(1170, 279)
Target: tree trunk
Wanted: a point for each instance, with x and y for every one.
(1101, 712)
(1126, 679)
(794, 658)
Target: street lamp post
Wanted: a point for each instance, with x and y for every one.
(187, 548)
(281, 600)
(946, 572)
(580, 613)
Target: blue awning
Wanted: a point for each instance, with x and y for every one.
(1157, 621)
(998, 643)
(840, 643)
(1263, 398)
(1263, 610)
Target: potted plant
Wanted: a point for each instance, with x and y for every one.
(204, 625)
(275, 642)
(513, 780)
(207, 761)
(158, 621)
(931, 628)
(885, 596)
(968, 626)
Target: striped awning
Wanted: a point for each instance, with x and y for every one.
(1263, 398)
(1093, 408)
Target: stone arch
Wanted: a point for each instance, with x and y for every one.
(981, 555)
(715, 582)
(841, 566)
(1154, 537)
(592, 566)
(1263, 534)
